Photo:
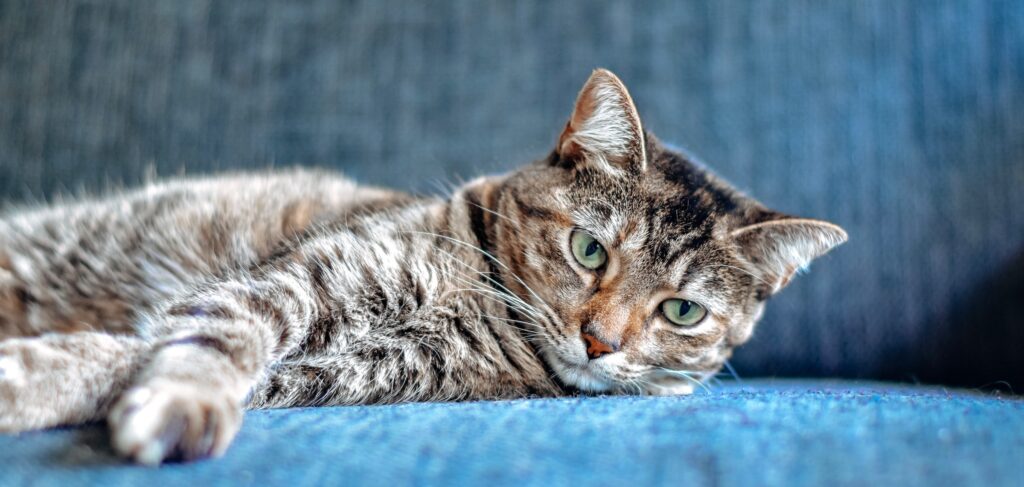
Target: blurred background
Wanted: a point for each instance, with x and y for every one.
(902, 121)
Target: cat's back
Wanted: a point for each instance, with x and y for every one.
(243, 194)
(131, 248)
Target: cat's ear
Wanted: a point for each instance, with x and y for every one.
(776, 249)
(604, 130)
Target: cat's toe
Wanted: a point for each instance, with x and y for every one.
(171, 421)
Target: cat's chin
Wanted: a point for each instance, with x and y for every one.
(593, 376)
(669, 389)
(581, 377)
(585, 380)
(588, 377)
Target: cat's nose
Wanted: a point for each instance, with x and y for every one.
(595, 346)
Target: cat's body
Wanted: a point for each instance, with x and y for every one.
(357, 295)
(168, 308)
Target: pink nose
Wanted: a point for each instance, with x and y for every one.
(595, 347)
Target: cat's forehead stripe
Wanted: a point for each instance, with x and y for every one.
(604, 221)
(635, 235)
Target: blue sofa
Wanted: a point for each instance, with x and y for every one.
(900, 120)
(735, 434)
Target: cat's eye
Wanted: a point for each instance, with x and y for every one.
(683, 312)
(587, 250)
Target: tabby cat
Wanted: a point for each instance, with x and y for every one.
(613, 265)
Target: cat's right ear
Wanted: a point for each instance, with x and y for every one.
(604, 130)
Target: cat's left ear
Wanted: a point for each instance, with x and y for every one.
(776, 249)
(604, 130)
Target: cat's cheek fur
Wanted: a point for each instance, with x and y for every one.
(741, 331)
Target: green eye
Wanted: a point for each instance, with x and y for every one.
(682, 312)
(587, 250)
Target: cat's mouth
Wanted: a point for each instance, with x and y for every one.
(573, 368)
(575, 371)
(586, 375)
(602, 377)
(582, 377)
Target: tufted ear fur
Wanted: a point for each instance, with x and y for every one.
(777, 249)
(604, 130)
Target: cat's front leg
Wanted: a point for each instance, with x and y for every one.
(185, 405)
(210, 348)
(57, 380)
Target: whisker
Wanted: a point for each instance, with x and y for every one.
(509, 299)
(495, 213)
(495, 296)
(530, 334)
(510, 320)
(489, 256)
(481, 274)
(686, 375)
(543, 315)
(732, 371)
(634, 382)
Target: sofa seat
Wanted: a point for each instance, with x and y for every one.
(755, 432)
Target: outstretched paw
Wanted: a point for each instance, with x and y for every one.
(173, 421)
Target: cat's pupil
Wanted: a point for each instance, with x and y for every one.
(591, 249)
(684, 307)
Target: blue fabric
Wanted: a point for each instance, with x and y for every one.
(757, 433)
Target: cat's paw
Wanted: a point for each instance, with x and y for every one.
(173, 421)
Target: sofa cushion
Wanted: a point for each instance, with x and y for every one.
(752, 433)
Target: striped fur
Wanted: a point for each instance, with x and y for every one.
(167, 309)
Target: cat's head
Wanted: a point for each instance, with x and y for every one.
(636, 268)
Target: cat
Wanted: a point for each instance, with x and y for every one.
(613, 265)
